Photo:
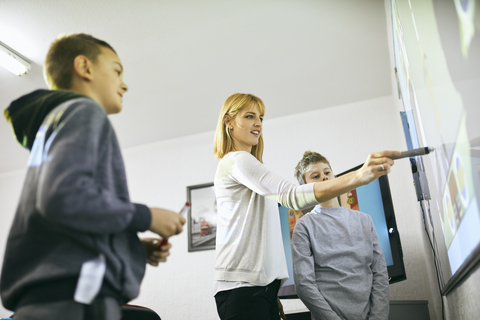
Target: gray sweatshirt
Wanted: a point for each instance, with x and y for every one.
(338, 265)
(74, 206)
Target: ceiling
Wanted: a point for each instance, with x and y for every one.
(183, 58)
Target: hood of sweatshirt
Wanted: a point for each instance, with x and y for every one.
(26, 114)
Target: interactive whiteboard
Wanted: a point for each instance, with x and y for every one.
(437, 59)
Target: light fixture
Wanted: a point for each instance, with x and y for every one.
(12, 61)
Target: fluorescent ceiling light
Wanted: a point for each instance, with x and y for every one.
(12, 62)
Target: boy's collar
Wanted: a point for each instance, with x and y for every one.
(316, 210)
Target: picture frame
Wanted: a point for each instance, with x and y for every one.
(202, 217)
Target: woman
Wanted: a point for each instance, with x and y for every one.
(250, 265)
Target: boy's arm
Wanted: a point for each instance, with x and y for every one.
(379, 297)
(68, 190)
(304, 275)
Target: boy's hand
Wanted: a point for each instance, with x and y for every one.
(376, 165)
(166, 223)
(155, 254)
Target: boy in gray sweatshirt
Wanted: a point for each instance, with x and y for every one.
(73, 250)
(338, 265)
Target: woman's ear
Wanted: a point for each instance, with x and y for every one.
(227, 120)
(82, 67)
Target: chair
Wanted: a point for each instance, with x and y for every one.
(133, 312)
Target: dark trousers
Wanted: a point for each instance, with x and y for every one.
(249, 303)
(104, 308)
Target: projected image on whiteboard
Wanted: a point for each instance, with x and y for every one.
(461, 215)
(437, 58)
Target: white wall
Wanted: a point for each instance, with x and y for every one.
(159, 173)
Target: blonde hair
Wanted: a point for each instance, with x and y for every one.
(223, 142)
(309, 157)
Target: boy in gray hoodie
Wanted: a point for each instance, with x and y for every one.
(73, 250)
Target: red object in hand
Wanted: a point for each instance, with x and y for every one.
(185, 208)
(183, 212)
(162, 243)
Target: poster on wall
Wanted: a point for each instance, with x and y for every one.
(202, 217)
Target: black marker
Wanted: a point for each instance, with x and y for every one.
(414, 153)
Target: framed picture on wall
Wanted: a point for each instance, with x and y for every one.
(202, 217)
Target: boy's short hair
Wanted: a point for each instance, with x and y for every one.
(309, 157)
(58, 69)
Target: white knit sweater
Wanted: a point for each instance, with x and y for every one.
(249, 248)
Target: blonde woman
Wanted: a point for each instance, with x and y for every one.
(250, 265)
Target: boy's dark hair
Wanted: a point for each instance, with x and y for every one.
(309, 157)
(62, 52)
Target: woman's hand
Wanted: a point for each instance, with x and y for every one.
(156, 254)
(376, 165)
